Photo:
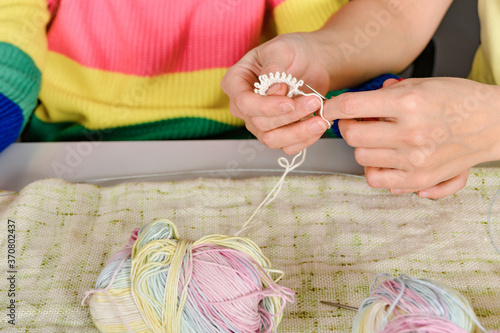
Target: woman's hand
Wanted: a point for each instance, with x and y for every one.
(273, 118)
(431, 131)
(327, 59)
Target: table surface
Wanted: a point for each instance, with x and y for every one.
(110, 163)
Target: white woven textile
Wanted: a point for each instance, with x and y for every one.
(331, 235)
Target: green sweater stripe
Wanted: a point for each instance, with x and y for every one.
(171, 129)
(20, 78)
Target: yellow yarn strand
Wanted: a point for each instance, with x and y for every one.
(152, 257)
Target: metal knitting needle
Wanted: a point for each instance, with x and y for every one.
(315, 91)
(6, 194)
(352, 308)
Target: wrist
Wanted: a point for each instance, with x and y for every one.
(337, 64)
(346, 65)
(491, 137)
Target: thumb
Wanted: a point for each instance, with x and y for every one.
(274, 68)
(278, 89)
(389, 82)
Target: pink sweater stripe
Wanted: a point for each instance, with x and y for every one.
(275, 3)
(180, 36)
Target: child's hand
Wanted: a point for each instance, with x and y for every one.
(273, 118)
(433, 131)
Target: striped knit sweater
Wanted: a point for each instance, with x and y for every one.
(131, 69)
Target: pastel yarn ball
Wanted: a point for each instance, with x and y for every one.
(161, 283)
(406, 304)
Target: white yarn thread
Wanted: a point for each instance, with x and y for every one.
(294, 90)
(283, 162)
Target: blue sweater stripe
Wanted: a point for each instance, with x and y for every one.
(11, 121)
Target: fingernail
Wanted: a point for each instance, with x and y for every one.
(396, 191)
(318, 126)
(273, 89)
(286, 107)
(423, 194)
(312, 105)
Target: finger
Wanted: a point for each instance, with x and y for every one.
(304, 106)
(238, 79)
(294, 149)
(404, 191)
(365, 104)
(277, 89)
(445, 188)
(292, 134)
(389, 82)
(379, 158)
(238, 84)
(387, 178)
(260, 61)
(250, 104)
(401, 180)
(369, 134)
(275, 56)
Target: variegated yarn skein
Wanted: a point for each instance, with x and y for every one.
(408, 305)
(161, 283)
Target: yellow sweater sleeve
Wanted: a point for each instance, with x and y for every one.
(23, 24)
(486, 65)
(304, 15)
(23, 47)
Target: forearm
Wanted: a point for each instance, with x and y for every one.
(369, 37)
